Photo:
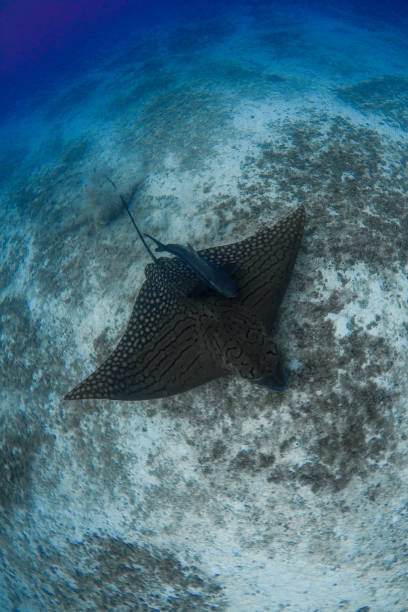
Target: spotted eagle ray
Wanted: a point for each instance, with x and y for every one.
(180, 336)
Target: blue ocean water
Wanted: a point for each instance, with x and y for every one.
(43, 45)
(212, 120)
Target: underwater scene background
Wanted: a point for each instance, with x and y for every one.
(213, 119)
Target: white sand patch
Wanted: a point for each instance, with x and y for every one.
(378, 305)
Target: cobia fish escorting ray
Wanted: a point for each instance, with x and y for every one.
(179, 336)
(210, 274)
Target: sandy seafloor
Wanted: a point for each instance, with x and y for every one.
(227, 497)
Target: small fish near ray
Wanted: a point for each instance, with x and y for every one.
(210, 274)
(180, 335)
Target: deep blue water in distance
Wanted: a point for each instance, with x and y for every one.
(41, 47)
(43, 44)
